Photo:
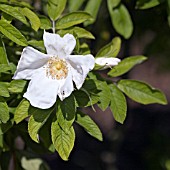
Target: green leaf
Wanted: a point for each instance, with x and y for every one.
(33, 163)
(110, 50)
(141, 92)
(21, 111)
(4, 113)
(145, 4)
(113, 3)
(63, 141)
(74, 5)
(92, 8)
(37, 120)
(4, 68)
(14, 12)
(55, 8)
(121, 20)
(82, 98)
(118, 104)
(89, 125)
(3, 55)
(12, 33)
(4, 90)
(104, 95)
(4, 127)
(33, 18)
(37, 44)
(17, 86)
(72, 19)
(45, 22)
(125, 65)
(66, 112)
(79, 32)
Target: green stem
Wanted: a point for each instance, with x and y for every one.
(53, 22)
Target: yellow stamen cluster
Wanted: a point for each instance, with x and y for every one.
(56, 68)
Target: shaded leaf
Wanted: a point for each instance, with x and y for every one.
(21, 111)
(126, 65)
(110, 50)
(4, 127)
(89, 125)
(72, 19)
(12, 33)
(118, 104)
(66, 112)
(37, 120)
(145, 4)
(141, 92)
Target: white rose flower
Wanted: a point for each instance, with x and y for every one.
(53, 73)
(105, 62)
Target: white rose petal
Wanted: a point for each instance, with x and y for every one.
(105, 62)
(52, 74)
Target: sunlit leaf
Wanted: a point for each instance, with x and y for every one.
(89, 125)
(45, 22)
(55, 8)
(33, 18)
(17, 86)
(121, 20)
(74, 5)
(141, 92)
(118, 104)
(104, 95)
(79, 32)
(113, 3)
(4, 113)
(21, 111)
(3, 55)
(14, 12)
(33, 163)
(126, 65)
(110, 50)
(92, 8)
(72, 19)
(37, 44)
(12, 33)
(4, 90)
(63, 141)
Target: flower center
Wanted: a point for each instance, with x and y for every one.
(56, 68)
